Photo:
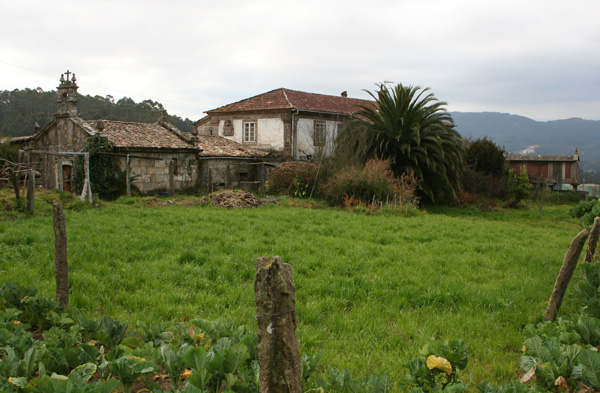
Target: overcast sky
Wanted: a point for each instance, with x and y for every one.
(536, 58)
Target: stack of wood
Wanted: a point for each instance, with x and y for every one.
(230, 199)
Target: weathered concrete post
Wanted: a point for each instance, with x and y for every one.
(565, 274)
(30, 191)
(86, 192)
(278, 353)
(61, 263)
(592, 241)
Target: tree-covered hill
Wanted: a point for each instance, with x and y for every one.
(21, 109)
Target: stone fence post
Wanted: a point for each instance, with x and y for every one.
(278, 353)
(565, 274)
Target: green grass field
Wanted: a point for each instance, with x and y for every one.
(371, 290)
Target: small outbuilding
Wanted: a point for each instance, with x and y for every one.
(553, 171)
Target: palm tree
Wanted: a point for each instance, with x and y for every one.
(411, 128)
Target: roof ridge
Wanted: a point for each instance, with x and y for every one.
(245, 99)
(120, 121)
(327, 95)
(286, 98)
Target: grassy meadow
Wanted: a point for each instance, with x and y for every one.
(372, 290)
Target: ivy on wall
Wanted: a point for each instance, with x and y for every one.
(104, 172)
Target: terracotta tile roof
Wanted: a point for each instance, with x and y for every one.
(523, 157)
(292, 99)
(140, 135)
(218, 146)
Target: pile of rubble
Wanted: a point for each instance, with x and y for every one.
(229, 199)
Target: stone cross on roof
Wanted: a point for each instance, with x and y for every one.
(62, 77)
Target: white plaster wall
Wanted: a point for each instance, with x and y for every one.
(269, 133)
(305, 145)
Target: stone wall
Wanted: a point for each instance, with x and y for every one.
(152, 173)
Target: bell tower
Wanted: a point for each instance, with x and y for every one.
(67, 95)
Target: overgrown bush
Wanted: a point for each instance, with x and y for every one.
(373, 184)
(487, 185)
(484, 156)
(294, 178)
(484, 175)
(518, 187)
(562, 197)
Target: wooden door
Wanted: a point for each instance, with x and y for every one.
(67, 172)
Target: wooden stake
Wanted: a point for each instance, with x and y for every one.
(61, 262)
(592, 241)
(278, 353)
(565, 274)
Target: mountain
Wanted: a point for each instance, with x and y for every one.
(519, 134)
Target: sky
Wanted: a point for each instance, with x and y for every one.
(535, 58)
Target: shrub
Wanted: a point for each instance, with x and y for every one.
(373, 184)
(293, 178)
(562, 197)
(487, 185)
(518, 187)
(484, 156)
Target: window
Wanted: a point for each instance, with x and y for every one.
(249, 132)
(319, 133)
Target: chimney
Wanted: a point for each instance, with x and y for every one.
(100, 125)
(345, 94)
